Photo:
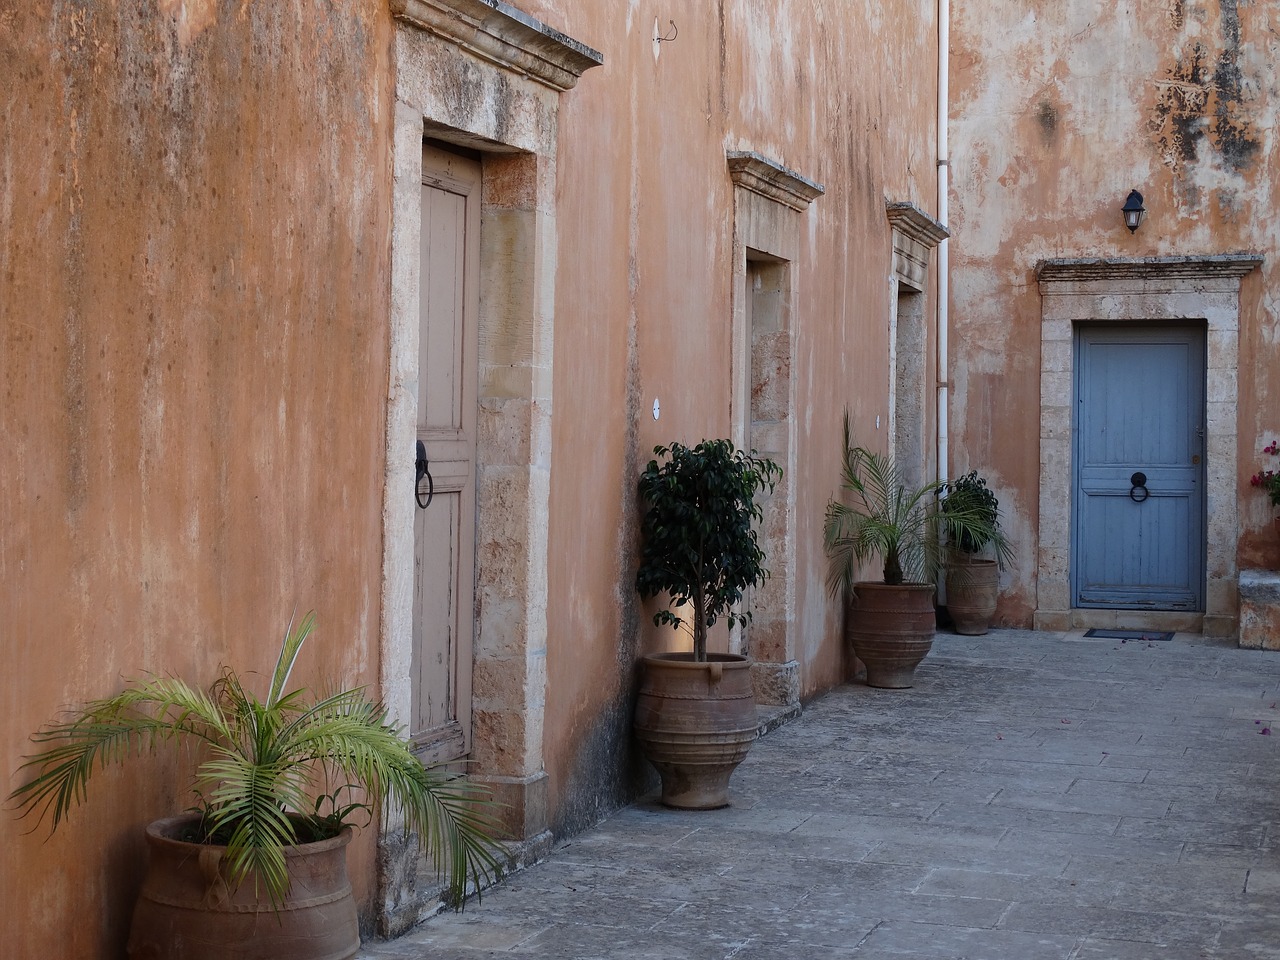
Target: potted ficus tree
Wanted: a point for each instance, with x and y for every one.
(258, 870)
(695, 716)
(972, 578)
(891, 622)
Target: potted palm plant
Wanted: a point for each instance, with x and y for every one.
(891, 622)
(695, 716)
(973, 580)
(258, 870)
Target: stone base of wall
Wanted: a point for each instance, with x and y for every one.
(523, 801)
(771, 716)
(1260, 609)
(409, 891)
(1062, 621)
(776, 683)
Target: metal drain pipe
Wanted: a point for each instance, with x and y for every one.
(944, 278)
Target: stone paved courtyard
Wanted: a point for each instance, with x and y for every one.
(1033, 796)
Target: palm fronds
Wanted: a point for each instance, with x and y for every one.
(268, 760)
(883, 518)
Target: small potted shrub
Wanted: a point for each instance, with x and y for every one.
(971, 519)
(258, 870)
(891, 622)
(695, 717)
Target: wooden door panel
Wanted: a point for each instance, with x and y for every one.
(1138, 397)
(1139, 409)
(444, 532)
(440, 344)
(1148, 558)
(437, 725)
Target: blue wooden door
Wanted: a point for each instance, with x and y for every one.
(1138, 459)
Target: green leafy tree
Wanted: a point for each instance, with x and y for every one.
(269, 769)
(698, 544)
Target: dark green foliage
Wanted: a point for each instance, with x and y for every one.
(971, 517)
(698, 545)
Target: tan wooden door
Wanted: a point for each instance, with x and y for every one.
(444, 531)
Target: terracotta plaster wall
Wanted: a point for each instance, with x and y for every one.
(1057, 112)
(194, 208)
(844, 96)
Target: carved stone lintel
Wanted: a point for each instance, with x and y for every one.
(1148, 268)
(914, 224)
(759, 174)
(498, 32)
(915, 234)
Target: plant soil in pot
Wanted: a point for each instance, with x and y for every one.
(973, 587)
(891, 628)
(696, 722)
(189, 908)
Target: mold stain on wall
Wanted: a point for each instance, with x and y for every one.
(1047, 119)
(1203, 102)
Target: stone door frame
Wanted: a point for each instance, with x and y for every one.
(483, 76)
(769, 206)
(911, 336)
(1154, 289)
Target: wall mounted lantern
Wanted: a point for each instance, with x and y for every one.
(1133, 210)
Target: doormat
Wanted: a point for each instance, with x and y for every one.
(1128, 634)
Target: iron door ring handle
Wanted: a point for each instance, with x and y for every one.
(1138, 482)
(431, 491)
(423, 469)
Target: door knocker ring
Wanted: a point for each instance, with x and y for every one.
(423, 470)
(1139, 483)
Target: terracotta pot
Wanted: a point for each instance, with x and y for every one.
(695, 723)
(973, 586)
(891, 630)
(186, 910)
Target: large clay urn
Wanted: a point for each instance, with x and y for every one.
(973, 587)
(695, 723)
(187, 910)
(891, 630)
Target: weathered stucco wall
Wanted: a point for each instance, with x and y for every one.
(196, 210)
(194, 204)
(643, 304)
(1058, 111)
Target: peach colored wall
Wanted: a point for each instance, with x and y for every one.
(1058, 111)
(643, 302)
(194, 209)
(196, 203)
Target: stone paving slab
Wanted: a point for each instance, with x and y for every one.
(1035, 796)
